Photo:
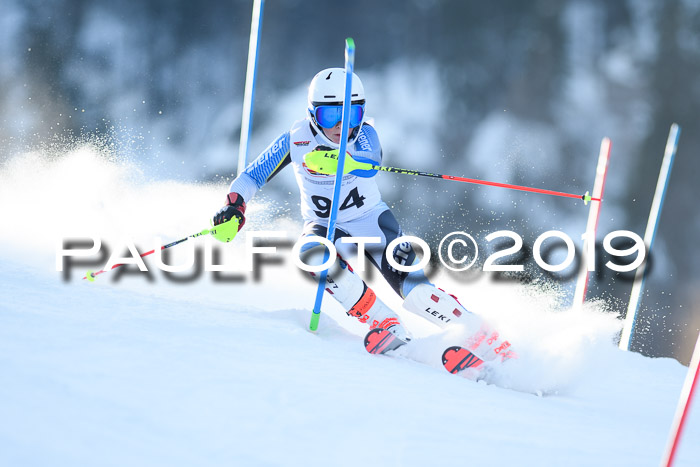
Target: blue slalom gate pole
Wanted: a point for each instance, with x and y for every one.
(250, 77)
(349, 66)
(649, 234)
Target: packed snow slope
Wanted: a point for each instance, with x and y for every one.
(136, 369)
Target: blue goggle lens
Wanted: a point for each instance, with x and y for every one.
(328, 116)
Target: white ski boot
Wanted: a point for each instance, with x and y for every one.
(444, 309)
(360, 301)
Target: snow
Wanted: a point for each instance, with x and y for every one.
(139, 372)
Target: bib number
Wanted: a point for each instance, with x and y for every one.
(323, 204)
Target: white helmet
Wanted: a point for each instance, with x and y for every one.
(328, 88)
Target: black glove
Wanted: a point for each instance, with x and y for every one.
(235, 207)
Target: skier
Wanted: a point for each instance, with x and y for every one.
(362, 213)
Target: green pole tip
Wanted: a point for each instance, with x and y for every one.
(313, 325)
(90, 276)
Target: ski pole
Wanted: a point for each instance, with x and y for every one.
(330, 234)
(90, 275)
(325, 162)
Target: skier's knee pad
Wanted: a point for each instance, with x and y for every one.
(439, 307)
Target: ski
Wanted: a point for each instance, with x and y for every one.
(380, 341)
(464, 362)
(457, 359)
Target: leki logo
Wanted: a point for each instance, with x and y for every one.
(437, 314)
(301, 143)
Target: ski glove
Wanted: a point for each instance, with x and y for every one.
(230, 218)
(324, 159)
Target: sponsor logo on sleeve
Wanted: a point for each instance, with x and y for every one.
(363, 142)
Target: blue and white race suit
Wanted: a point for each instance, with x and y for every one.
(361, 213)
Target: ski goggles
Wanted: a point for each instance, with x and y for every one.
(328, 116)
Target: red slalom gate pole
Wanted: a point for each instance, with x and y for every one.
(684, 401)
(592, 223)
